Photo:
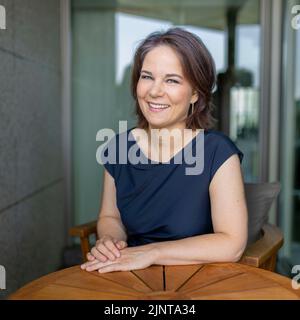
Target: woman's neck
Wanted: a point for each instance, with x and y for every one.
(165, 142)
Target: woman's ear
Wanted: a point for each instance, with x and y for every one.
(195, 97)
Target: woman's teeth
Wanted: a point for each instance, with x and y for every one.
(158, 106)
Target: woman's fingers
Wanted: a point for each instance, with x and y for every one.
(111, 245)
(90, 265)
(95, 265)
(104, 248)
(90, 257)
(121, 244)
(98, 255)
(107, 248)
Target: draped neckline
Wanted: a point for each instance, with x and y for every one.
(153, 163)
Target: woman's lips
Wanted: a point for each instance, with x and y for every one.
(155, 107)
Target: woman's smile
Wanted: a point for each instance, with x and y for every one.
(158, 107)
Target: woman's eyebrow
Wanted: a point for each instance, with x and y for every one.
(146, 71)
(167, 75)
(174, 75)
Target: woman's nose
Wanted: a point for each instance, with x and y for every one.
(156, 89)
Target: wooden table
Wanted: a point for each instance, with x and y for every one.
(209, 281)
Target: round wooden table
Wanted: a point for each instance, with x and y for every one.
(208, 281)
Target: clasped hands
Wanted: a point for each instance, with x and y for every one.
(110, 254)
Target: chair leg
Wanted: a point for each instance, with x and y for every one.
(270, 264)
(273, 262)
(85, 247)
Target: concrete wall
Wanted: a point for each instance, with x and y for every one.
(32, 224)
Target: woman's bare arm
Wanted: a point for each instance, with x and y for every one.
(109, 222)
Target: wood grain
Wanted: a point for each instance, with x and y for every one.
(207, 281)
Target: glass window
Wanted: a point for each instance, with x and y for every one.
(290, 144)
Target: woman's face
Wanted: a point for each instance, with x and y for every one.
(163, 92)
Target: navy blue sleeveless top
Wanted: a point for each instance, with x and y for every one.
(159, 202)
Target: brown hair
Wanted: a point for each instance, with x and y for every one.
(198, 67)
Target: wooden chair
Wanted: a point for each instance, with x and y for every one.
(261, 254)
(84, 231)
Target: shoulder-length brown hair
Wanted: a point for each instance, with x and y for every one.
(198, 67)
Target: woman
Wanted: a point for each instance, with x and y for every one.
(155, 213)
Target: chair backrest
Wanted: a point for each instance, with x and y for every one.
(259, 197)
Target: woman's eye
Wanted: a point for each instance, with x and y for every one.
(145, 77)
(172, 81)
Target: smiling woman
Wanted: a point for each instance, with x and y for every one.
(179, 65)
(156, 213)
(164, 98)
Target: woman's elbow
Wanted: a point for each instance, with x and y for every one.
(238, 252)
(237, 257)
(236, 248)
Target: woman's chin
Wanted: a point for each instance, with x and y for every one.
(158, 124)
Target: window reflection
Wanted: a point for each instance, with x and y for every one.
(289, 215)
(296, 193)
(244, 98)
